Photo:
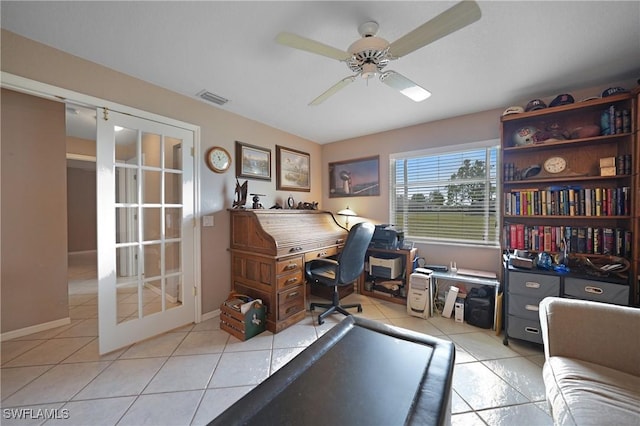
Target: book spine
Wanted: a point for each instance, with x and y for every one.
(547, 239)
(572, 202)
(608, 241)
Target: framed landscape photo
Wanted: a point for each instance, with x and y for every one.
(253, 162)
(292, 169)
(355, 178)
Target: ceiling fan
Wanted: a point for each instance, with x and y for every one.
(368, 56)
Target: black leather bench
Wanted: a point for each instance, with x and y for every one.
(361, 372)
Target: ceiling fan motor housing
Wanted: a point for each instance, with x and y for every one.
(367, 53)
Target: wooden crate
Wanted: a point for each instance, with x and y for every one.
(243, 325)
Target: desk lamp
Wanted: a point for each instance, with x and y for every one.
(347, 212)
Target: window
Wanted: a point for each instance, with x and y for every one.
(446, 195)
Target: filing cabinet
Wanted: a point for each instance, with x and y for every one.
(524, 292)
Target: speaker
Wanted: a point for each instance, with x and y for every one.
(479, 312)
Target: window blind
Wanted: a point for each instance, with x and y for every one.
(446, 196)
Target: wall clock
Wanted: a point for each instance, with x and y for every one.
(555, 165)
(218, 159)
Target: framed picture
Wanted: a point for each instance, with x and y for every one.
(292, 169)
(355, 178)
(252, 161)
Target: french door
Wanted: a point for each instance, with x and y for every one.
(145, 214)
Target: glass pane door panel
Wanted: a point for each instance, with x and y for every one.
(152, 297)
(126, 145)
(126, 187)
(126, 225)
(173, 222)
(172, 153)
(152, 223)
(172, 188)
(151, 150)
(152, 260)
(151, 192)
(174, 290)
(172, 258)
(127, 261)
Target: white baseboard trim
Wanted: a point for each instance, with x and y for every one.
(210, 315)
(71, 253)
(34, 329)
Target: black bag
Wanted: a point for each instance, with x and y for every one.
(479, 308)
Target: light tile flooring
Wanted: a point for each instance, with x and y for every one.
(189, 375)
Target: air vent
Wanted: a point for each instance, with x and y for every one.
(212, 97)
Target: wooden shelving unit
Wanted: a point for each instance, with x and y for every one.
(579, 183)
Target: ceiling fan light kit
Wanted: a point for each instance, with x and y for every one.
(368, 56)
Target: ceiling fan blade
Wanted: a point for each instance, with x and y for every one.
(302, 43)
(449, 21)
(405, 86)
(333, 90)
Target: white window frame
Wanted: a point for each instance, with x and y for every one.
(437, 151)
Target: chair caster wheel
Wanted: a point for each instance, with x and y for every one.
(320, 322)
(359, 308)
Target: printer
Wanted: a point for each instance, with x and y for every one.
(386, 237)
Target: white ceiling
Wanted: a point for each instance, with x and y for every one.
(517, 51)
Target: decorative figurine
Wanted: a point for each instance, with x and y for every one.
(240, 194)
(256, 201)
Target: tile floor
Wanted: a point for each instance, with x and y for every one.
(189, 375)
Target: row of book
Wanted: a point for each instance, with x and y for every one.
(576, 239)
(568, 201)
(615, 120)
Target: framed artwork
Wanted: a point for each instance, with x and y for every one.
(355, 178)
(253, 162)
(292, 169)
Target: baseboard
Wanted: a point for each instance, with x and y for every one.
(71, 253)
(210, 315)
(34, 329)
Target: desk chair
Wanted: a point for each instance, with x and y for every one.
(342, 271)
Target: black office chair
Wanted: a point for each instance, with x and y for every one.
(342, 271)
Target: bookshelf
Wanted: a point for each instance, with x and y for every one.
(575, 188)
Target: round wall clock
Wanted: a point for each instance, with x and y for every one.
(555, 165)
(218, 159)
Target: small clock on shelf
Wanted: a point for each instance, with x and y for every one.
(555, 165)
(218, 159)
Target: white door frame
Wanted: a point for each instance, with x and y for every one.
(58, 94)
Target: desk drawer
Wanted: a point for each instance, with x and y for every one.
(317, 254)
(524, 329)
(290, 302)
(289, 265)
(596, 290)
(524, 307)
(533, 285)
(289, 280)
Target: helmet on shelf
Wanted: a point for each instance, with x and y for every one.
(524, 136)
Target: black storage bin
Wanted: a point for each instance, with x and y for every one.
(478, 309)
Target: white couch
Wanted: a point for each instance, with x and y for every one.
(592, 362)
